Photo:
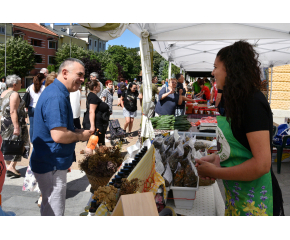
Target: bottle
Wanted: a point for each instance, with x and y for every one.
(208, 104)
(93, 208)
(118, 182)
(135, 162)
(121, 174)
(126, 172)
(93, 141)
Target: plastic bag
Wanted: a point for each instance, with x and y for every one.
(190, 177)
(158, 143)
(167, 175)
(175, 157)
(170, 141)
(283, 129)
(179, 176)
(159, 167)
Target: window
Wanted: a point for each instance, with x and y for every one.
(52, 44)
(38, 58)
(51, 60)
(2, 30)
(95, 43)
(104, 46)
(36, 42)
(100, 46)
(90, 42)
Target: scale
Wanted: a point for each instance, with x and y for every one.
(208, 127)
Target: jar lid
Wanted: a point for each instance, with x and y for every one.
(118, 178)
(121, 174)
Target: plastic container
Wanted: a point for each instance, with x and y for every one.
(195, 110)
(208, 111)
(184, 196)
(201, 110)
(188, 107)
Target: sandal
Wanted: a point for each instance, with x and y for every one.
(130, 135)
(12, 174)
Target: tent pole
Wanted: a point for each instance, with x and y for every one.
(169, 71)
(5, 47)
(271, 84)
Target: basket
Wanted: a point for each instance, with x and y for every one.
(96, 182)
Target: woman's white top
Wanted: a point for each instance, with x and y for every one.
(75, 99)
(34, 96)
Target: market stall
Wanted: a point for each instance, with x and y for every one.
(153, 165)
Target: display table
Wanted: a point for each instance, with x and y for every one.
(208, 202)
(194, 131)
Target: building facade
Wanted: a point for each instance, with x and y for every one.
(44, 43)
(65, 35)
(94, 43)
(2, 31)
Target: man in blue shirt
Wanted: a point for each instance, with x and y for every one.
(180, 109)
(55, 137)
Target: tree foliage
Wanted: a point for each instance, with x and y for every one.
(20, 57)
(91, 65)
(111, 71)
(157, 59)
(63, 53)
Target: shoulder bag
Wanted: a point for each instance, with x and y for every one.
(26, 98)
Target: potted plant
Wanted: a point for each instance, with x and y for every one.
(100, 167)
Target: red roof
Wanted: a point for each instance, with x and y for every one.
(35, 27)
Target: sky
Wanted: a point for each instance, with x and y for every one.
(128, 39)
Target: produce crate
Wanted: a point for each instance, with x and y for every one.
(184, 196)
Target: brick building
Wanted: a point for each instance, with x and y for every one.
(44, 43)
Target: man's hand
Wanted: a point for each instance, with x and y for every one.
(85, 135)
(180, 91)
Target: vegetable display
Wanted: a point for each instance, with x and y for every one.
(169, 122)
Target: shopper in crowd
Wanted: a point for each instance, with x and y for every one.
(107, 97)
(214, 92)
(180, 109)
(196, 87)
(186, 85)
(50, 78)
(54, 137)
(153, 99)
(75, 101)
(45, 72)
(162, 82)
(94, 118)
(3, 85)
(204, 92)
(121, 87)
(95, 76)
(108, 93)
(244, 138)
(13, 125)
(129, 105)
(169, 99)
(207, 83)
(35, 90)
(166, 82)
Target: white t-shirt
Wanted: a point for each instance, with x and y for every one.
(75, 99)
(34, 96)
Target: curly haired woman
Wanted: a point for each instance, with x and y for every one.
(244, 136)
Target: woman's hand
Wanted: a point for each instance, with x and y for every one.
(16, 131)
(213, 159)
(206, 170)
(93, 129)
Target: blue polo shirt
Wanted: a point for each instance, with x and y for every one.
(52, 110)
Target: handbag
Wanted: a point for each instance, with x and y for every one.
(283, 130)
(10, 147)
(26, 98)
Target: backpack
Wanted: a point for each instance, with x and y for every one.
(123, 87)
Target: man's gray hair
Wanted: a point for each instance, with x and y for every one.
(69, 62)
(43, 70)
(12, 79)
(94, 74)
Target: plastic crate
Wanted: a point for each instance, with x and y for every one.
(184, 196)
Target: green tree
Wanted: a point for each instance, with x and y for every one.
(174, 70)
(157, 59)
(64, 52)
(111, 71)
(161, 68)
(20, 57)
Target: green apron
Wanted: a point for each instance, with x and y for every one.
(243, 198)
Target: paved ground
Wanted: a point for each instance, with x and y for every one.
(24, 203)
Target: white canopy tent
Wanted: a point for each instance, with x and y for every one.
(193, 46)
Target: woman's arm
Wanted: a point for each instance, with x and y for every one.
(249, 170)
(14, 104)
(180, 97)
(122, 101)
(92, 116)
(187, 99)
